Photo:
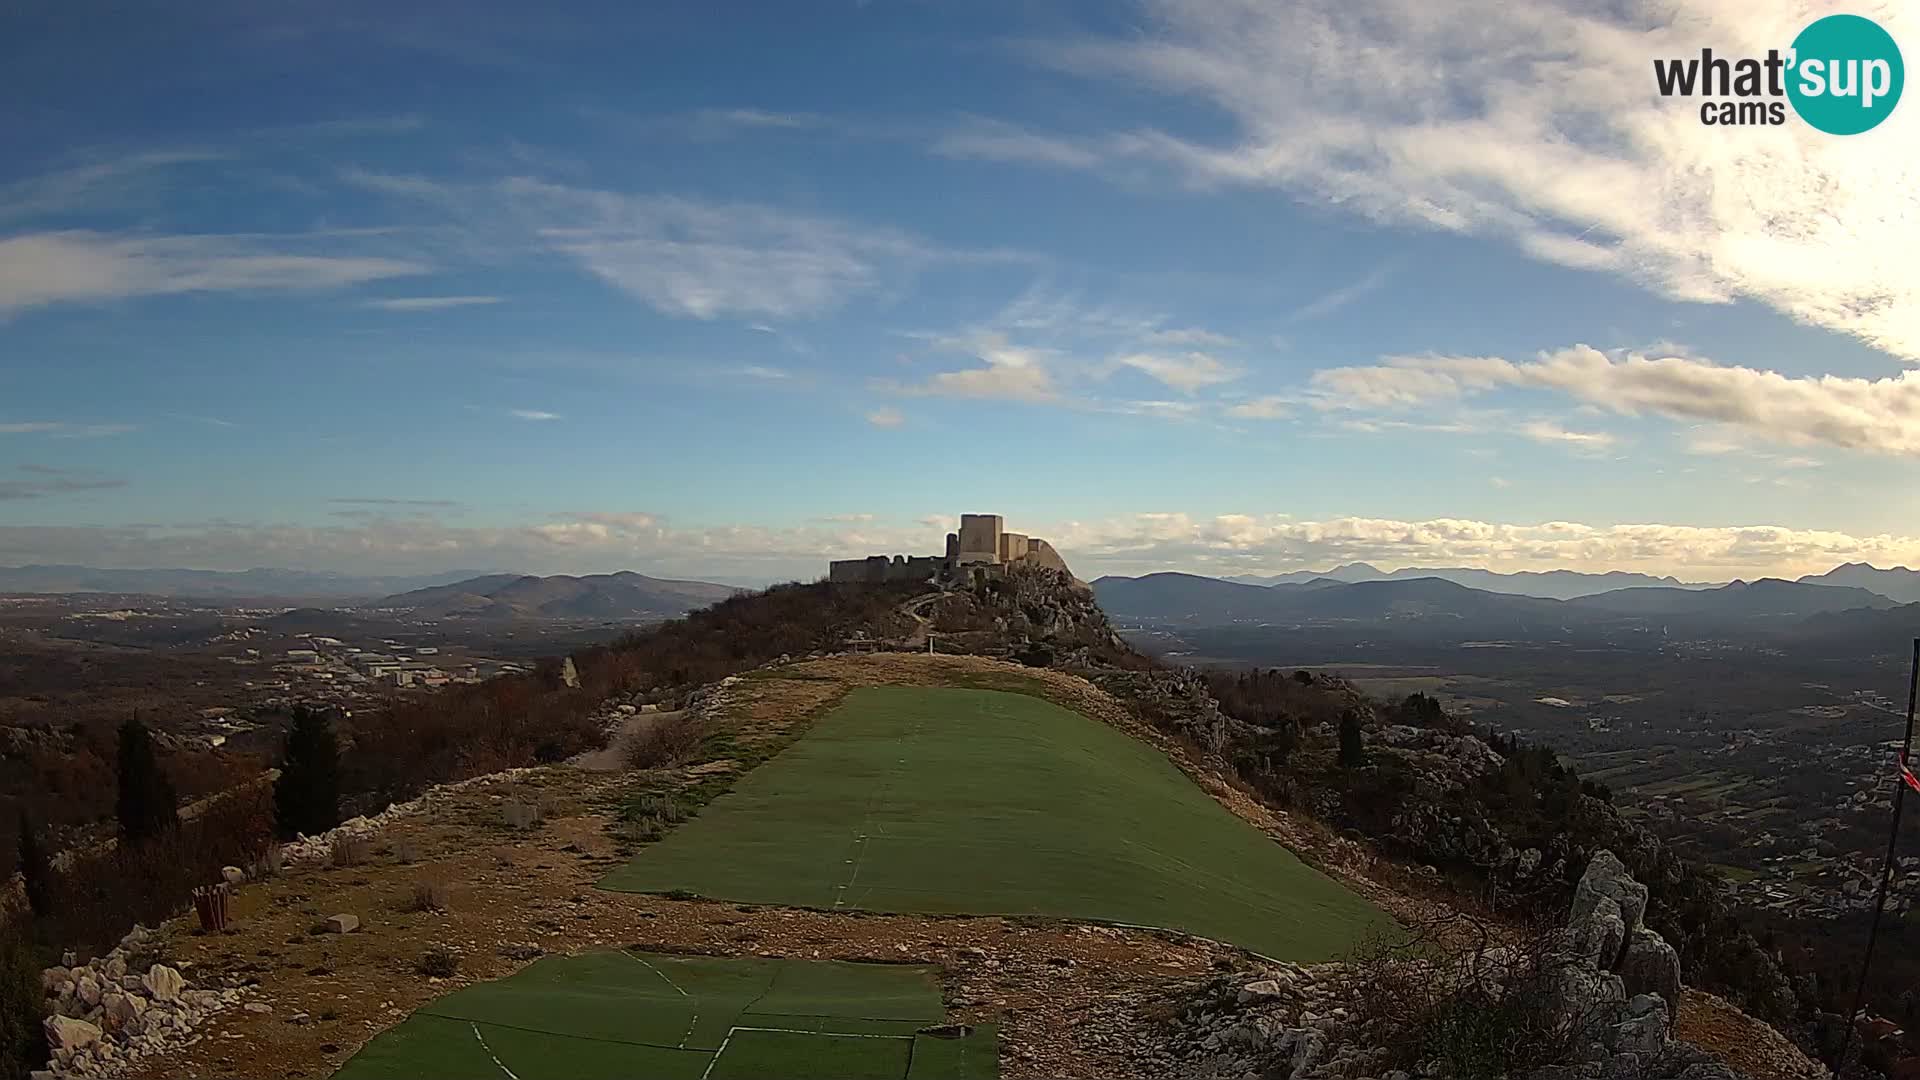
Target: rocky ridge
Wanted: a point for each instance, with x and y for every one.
(1604, 982)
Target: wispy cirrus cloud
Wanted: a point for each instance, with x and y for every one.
(537, 415)
(688, 257)
(429, 303)
(63, 429)
(1185, 372)
(1874, 415)
(46, 481)
(1534, 122)
(417, 504)
(79, 266)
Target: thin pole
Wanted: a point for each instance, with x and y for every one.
(1886, 872)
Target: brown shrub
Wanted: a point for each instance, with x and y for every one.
(430, 895)
(668, 741)
(438, 962)
(1454, 992)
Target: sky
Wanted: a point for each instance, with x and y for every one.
(729, 289)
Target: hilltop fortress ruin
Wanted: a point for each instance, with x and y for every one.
(983, 546)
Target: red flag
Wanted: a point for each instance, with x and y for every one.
(1906, 774)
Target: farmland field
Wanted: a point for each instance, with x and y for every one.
(992, 803)
(633, 1014)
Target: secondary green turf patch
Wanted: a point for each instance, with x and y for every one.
(981, 802)
(632, 1014)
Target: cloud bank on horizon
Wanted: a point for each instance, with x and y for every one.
(1411, 284)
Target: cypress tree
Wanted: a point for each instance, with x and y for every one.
(146, 805)
(36, 868)
(1352, 755)
(306, 798)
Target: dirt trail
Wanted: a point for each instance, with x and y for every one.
(915, 609)
(613, 756)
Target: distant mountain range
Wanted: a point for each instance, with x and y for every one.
(1898, 583)
(1548, 585)
(257, 584)
(1200, 601)
(625, 595)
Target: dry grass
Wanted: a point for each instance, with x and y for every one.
(430, 895)
(350, 851)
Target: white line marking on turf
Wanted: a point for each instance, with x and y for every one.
(496, 1058)
(794, 1031)
(691, 1024)
(656, 971)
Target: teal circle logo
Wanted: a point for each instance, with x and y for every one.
(1845, 74)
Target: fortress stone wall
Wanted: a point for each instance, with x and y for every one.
(982, 544)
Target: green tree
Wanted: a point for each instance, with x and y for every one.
(146, 805)
(36, 867)
(306, 798)
(1352, 754)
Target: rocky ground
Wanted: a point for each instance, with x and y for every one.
(499, 871)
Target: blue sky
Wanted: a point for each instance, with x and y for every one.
(732, 289)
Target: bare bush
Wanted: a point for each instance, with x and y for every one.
(438, 962)
(668, 741)
(1455, 993)
(430, 895)
(349, 851)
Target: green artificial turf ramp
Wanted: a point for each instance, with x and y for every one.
(614, 1015)
(992, 803)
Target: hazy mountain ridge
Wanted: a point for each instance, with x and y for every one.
(1197, 600)
(1896, 582)
(257, 583)
(625, 595)
(1545, 584)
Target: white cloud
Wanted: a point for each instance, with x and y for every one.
(1002, 142)
(1011, 372)
(1270, 407)
(886, 418)
(1549, 432)
(1536, 121)
(1136, 543)
(1186, 372)
(703, 260)
(1878, 415)
(532, 414)
(715, 121)
(1190, 336)
(1271, 543)
(762, 371)
(37, 269)
(429, 303)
